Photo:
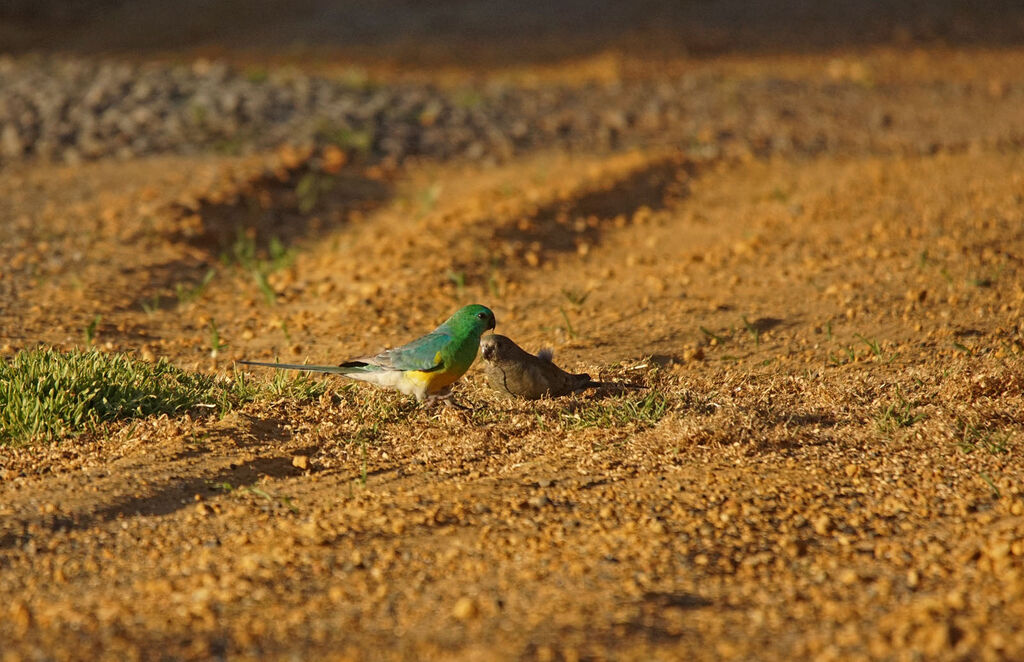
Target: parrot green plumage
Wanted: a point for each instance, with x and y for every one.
(423, 368)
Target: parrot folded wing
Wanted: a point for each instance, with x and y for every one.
(420, 355)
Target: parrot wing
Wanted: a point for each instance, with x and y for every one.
(422, 354)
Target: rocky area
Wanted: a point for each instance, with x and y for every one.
(70, 110)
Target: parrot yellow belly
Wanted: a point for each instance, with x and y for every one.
(432, 382)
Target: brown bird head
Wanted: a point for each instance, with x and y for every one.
(493, 346)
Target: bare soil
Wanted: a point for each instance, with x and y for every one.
(838, 339)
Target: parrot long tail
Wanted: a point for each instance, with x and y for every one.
(308, 368)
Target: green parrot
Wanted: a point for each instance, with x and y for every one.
(426, 367)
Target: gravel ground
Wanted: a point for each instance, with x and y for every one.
(823, 287)
(837, 476)
(78, 109)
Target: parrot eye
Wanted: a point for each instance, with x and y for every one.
(482, 316)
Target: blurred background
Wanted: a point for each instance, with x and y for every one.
(493, 32)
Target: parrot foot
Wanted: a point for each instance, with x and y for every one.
(447, 397)
(455, 405)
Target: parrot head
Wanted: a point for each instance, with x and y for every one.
(474, 319)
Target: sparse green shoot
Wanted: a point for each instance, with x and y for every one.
(257, 75)
(753, 331)
(428, 198)
(987, 279)
(90, 329)
(359, 141)
(872, 344)
(576, 297)
(960, 347)
(309, 189)
(900, 413)
(245, 254)
(216, 344)
(712, 337)
(991, 484)
(847, 355)
(268, 292)
(271, 498)
(974, 438)
(458, 278)
(922, 260)
(468, 98)
(569, 330)
(875, 347)
(187, 293)
(151, 305)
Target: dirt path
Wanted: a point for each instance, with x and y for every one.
(835, 340)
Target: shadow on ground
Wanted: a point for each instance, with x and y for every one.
(178, 492)
(304, 205)
(254, 228)
(563, 225)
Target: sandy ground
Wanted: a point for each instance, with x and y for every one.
(833, 343)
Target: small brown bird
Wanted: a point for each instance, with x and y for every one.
(513, 371)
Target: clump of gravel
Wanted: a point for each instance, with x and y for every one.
(74, 109)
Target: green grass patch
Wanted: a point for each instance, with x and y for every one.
(47, 394)
(50, 394)
(643, 409)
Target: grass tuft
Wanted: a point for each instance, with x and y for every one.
(900, 413)
(642, 410)
(47, 395)
(50, 394)
(977, 437)
(281, 386)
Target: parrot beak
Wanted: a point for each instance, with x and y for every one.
(493, 323)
